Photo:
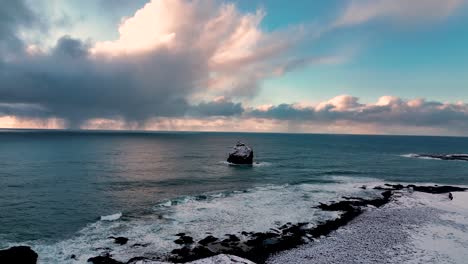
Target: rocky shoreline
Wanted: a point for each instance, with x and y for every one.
(254, 246)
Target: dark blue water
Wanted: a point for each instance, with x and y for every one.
(53, 184)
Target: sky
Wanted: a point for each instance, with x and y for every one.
(337, 66)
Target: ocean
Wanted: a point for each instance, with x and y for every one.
(65, 192)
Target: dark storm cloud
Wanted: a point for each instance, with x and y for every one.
(13, 15)
(284, 112)
(216, 108)
(71, 84)
(22, 110)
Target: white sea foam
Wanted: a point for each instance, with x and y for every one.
(111, 217)
(254, 164)
(418, 156)
(257, 209)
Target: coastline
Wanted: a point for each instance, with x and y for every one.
(364, 228)
(414, 228)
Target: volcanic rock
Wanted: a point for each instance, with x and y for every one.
(241, 154)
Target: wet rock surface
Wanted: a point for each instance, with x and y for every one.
(119, 240)
(105, 259)
(427, 189)
(241, 154)
(183, 239)
(19, 254)
(463, 157)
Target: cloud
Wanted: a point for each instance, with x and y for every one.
(21, 110)
(387, 111)
(362, 11)
(173, 56)
(14, 16)
(168, 53)
(218, 107)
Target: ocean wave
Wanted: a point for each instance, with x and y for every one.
(231, 212)
(111, 217)
(340, 172)
(255, 164)
(414, 155)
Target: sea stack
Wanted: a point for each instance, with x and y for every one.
(241, 154)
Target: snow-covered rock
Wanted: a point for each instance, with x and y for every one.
(218, 259)
(241, 154)
(223, 259)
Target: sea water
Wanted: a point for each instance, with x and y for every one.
(66, 192)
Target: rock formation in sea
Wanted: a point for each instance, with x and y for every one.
(241, 154)
(20, 254)
(463, 157)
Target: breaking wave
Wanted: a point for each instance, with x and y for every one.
(257, 209)
(111, 217)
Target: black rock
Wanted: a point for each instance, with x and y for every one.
(138, 259)
(232, 238)
(463, 157)
(20, 254)
(207, 240)
(106, 259)
(437, 189)
(203, 252)
(120, 240)
(181, 253)
(241, 154)
(184, 240)
(137, 245)
(395, 186)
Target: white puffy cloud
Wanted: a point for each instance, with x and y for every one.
(171, 57)
(387, 112)
(235, 53)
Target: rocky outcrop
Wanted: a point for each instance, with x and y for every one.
(463, 157)
(257, 246)
(104, 260)
(119, 240)
(436, 189)
(241, 154)
(20, 254)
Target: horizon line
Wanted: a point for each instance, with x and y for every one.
(137, 131)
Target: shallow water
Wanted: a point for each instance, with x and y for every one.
(56, 185)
